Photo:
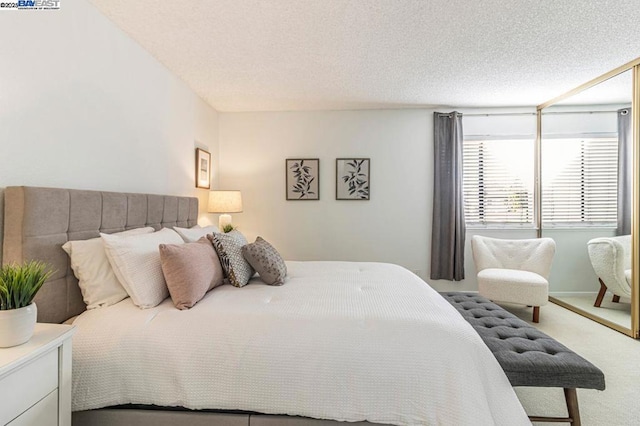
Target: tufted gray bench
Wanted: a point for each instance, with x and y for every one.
(528, 356)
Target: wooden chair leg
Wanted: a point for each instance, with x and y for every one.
(603, 290)
(615, 299)
(571, 397)
(536, 314)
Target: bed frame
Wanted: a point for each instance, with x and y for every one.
(38, 221)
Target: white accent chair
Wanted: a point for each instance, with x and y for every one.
(514, 271)
(611, 261)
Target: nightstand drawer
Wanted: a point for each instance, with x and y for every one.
(27, 385)
(44, 413)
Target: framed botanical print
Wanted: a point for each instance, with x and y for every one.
(203, 169)
(353, 178)
(303, 178)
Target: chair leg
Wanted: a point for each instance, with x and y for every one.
(603, 290)
(571, 397)
(615, 299)
(536, 314)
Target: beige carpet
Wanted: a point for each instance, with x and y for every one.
(617, 355)
(619, 313)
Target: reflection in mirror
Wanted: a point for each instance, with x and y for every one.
(586, 165)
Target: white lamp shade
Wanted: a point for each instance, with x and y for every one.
(225, 202)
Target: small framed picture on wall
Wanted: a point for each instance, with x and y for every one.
(303, 175)
(352, 178)
(203, 169)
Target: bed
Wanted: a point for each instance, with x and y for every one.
(340, 341)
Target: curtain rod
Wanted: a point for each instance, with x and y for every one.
(547, 135)
(581, 112)
(533, 113)
(497, 114)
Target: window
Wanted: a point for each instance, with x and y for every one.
(579, 181)
(498, 182)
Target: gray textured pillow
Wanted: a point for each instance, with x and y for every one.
(190, 270)
(266, 260)
(229, 249)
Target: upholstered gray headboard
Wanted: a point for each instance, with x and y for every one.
(38, 221)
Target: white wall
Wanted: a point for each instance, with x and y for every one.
(394, 226)
(84, 106)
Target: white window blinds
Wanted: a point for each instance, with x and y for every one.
(579, 181)
(498, 181)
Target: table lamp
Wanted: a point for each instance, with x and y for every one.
(225, 202)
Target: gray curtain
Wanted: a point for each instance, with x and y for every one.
(448, 227)
(625, 171)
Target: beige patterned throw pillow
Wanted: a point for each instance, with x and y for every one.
(229, 249)
(266, 260)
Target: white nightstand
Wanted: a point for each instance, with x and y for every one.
(35, 379)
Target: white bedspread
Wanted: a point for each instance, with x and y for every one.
(339, 340)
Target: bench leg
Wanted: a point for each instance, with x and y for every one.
(603, 290)
(571, 397)
(536, 314)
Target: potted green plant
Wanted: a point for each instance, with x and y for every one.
(18, 286)
(228, 228)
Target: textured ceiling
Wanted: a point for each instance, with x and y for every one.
(250, 55)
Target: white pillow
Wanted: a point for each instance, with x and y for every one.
(191, 235)
(135, 260)
(90, 265)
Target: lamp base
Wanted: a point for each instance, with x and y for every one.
(224, 220)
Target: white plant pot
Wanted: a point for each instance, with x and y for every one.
(16, 325)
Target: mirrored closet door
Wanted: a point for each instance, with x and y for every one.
(587, 185)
